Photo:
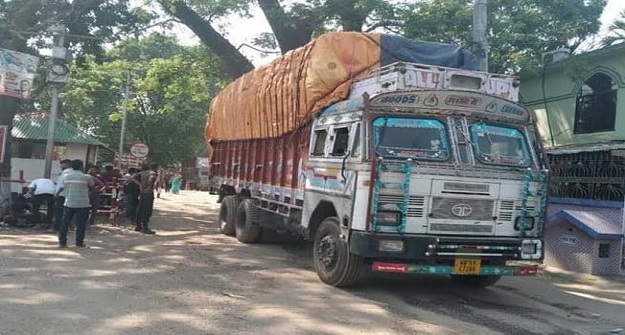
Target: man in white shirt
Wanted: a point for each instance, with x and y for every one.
(42, 190)
(59, 202)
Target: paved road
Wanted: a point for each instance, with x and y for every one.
(189, 279)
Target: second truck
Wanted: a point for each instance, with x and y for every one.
(388, 154)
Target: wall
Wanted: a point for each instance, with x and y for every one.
(562, 81)
(583, 255)
(34, 168)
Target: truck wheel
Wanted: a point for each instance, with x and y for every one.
(227, 214)
(247, 228)
(475, 281)
(334, 264)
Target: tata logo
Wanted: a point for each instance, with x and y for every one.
(461, 210)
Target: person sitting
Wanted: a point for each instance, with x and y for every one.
(22, 214)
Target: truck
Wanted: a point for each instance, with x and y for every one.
(388, 154)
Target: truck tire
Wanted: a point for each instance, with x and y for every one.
(475, 281)
(227, 214)
(334, 264)
(247, 228)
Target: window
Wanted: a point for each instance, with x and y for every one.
(320, 142)
(498, 145)
(410, 138)
(604, 250)
(595, 106)
(341, 141)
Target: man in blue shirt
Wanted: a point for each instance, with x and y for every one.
(76, 186)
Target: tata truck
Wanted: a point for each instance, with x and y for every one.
(390, 155)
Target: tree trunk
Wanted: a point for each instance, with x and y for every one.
(289, 33)
(234, 64)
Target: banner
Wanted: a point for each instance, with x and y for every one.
(3, 141)
(17, 72)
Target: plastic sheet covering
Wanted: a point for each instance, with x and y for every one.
(283, 95)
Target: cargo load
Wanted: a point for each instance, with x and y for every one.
(283, 95)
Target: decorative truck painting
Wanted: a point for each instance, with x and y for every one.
(408, 168)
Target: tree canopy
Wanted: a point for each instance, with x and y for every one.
(90, 25)
(171, 87)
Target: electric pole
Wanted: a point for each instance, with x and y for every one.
(57, 77)
(125, 113)
(480, 24)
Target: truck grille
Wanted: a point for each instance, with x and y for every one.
(462, 209)
(470, 228)
(416, 204)
(507, 208)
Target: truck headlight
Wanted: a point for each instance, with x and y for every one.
(529, 223)
(531, 249)
(388, 218)
(391, 246)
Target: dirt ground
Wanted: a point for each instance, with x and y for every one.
(189, 279)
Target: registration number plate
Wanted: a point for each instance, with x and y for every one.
(465, 266)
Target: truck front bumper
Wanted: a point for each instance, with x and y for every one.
(431, 254)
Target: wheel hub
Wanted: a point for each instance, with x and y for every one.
(326, 251)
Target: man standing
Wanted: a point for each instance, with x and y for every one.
(76, 185)
(131, 196)
(146, 180)
(43, 190)
(59, 201)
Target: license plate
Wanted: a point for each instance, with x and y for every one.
(464, 266)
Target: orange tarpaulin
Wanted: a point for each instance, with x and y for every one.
(281, 96)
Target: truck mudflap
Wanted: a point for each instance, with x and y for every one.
(458, 268)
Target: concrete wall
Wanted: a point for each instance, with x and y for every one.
(555, 107)
(34, 168)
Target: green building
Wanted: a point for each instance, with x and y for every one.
(579, 105)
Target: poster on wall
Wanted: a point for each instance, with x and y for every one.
(17, 72)
(3, 141)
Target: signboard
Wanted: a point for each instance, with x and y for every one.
(128, 160)
(202, 163)
(17, 71)
(568, 239)
(139, 150)
(3, 141)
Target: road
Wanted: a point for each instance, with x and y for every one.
(189, 279)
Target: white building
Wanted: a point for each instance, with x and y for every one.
(28, 147)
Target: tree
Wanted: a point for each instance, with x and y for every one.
(293, 24)
(519, 30)
(90, 24)
(616, 31)
(171, 88)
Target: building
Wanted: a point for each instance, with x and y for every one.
(28, 147)
(579, 104)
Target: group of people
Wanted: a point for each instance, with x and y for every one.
(75, 197)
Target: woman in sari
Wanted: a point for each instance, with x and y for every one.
(176, 180)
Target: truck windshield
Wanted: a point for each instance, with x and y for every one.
(410, 138)
(500, 145)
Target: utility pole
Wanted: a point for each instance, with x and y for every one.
(57, 77)
(125, 114)
(480, 24)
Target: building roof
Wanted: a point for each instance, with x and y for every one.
(609, 51)
(34, 126)
(598, 222)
